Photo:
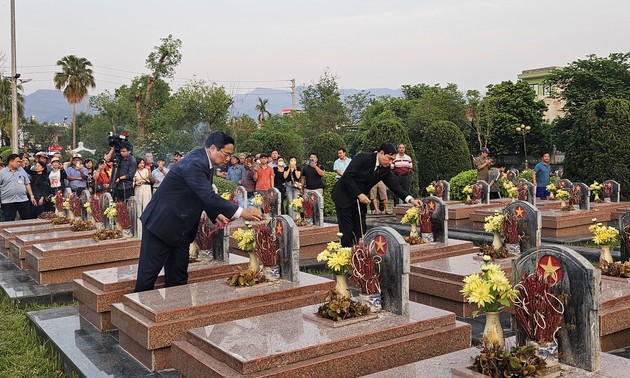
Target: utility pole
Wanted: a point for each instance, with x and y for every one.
(14, 77)
(293, 95)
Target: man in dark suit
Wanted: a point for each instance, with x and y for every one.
(350, 193)
(171, 218)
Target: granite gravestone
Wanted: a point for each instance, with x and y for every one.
(85, 198)
(526, 191)
(564, 184)
(579, 284)
(529, 223)
(439, 218)
(582, 192)
(512, 174)
(105, 200)
(317, 205)
(624, 230)
(443, 190)
(395, 265)
(133, 207)
(271, 201)
(288, 239)
(615, 190)
(481, 192)
(240, 196)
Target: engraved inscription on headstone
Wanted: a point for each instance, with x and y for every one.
(395, 265)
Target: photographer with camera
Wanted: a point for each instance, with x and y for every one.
(483, 164)
(77, 174)
(312, 175)
(123, 167)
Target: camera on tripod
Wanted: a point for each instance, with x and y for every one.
(117, 142)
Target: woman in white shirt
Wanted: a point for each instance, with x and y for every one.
(142, 181)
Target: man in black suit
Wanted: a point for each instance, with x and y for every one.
(171, 218)
(364, 171)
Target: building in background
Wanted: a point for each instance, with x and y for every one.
(535, 78)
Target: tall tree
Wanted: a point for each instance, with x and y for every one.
(322, 102)
(75, 78)
(162, 62)
(205, 103)
(261, 108)
(5, 108)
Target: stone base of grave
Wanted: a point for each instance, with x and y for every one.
(459, 215)
(9, 234)
(399, 210)
(561, 224)
(18, 247)
(614, 314)
(437, 283)
(6, 226)
(313, 240)
(65, 261)
(148, 322)
(97, 290)
(300, 346)
(432, 251)
(619, 212)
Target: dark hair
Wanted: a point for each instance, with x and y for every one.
(388, 149)
(313, 153)
(161, 159)
(218, 139)
(126, 145)
(43, 165)
(88, 161)
(545, 153)
(275, 149)
(101, 161)
(139, 159)
(342, 149)
(12, 157)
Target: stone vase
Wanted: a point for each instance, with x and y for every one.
(563, 204)
(414, 231)
(496, 241)
(70, 215)
(427, 237)
(468, 199)
(60, 214)
(373, 301)
(493, 332)
(342, 285)
(254, 264)
(552, 196)
(272, 273)
(548, 351)
(297, 216)
(605, 254)
(597, 197)
(99, 225)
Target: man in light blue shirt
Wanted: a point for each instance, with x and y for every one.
(15, 189)
(235, 171)
(77, 174)
(542, 177)
(341, 164)
(159, 174)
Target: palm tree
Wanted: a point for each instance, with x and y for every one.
(76, 77)
(261, 108)
(5, 107)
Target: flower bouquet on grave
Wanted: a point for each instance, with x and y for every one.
(75, 206)
(111, 213)
(58, 200)
(226, 196)
(595, 189)
(426, 225)
(468, 190)
(96, 211)
(297, 205)
(81, 225)
(552, 189)
(509, 231)
(563, 195)
(607, 191)
(495, 361)
(50, 215)
(491, 291)
(412, 215)
(267, 249)
(338, 260)
(510, 189)
(123, 219)
(246, 239)
(539, 311)
(430, 189)
(605, 236)
(366, 268)
(494, 224)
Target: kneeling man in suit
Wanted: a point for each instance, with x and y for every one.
(171, 218)
(350, 193)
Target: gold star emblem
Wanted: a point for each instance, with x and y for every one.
(381, 245)
(519, 212)
(279, 229)
(549, 270)
(431, 205)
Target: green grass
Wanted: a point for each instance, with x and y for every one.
(22, 353)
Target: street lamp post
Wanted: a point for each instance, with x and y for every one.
(524, 130)
(14, 77)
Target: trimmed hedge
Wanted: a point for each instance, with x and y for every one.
(326, 146)
(223, 185)
(460, 181)
(329, 205)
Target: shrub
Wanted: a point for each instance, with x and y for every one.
(5, 152)
(287, 143)
(460, 181)
(251, 145)
(599, 143)
(527, 175)
(329, 205)
(444, 153)
(326, 146)
(223, 185)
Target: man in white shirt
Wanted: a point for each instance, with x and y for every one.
(341, 164)
(159, 174)
(401, 167)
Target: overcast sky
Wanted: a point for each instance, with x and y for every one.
(367, 44)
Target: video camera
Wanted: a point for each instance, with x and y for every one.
(116, 140)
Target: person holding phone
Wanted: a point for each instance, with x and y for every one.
(77, 174)
(312, 175)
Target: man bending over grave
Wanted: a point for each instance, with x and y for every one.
(171, 218)
(350, 193)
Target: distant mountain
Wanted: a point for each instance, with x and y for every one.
(50, 105)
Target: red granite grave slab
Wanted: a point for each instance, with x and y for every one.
(11, 233)
(313, 240)
(619, 212)
(431, 251)
(399, 210)
(4, 226)
(299, 346)
(614, 314)
(151, 320)
(438, 282)
(18, 247)
(97, 290)
(478, 218)
(65, 261)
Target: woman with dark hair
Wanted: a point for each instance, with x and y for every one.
(41, 188)
(247, 180)
(142, 183)
(89, 165)
(101, 178)
(292, 183)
